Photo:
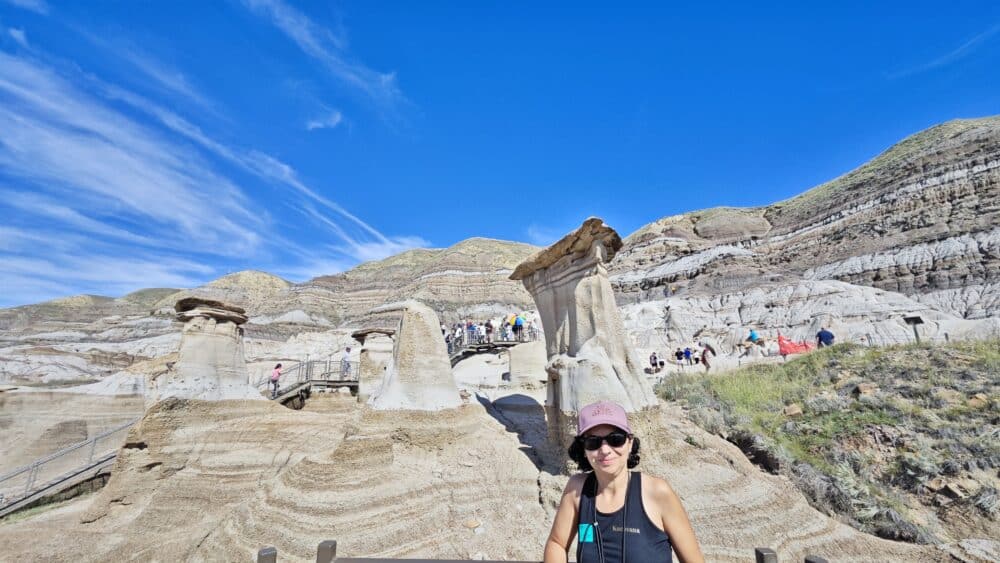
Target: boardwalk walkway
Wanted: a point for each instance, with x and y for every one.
(62, 470)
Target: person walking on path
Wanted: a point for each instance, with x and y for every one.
(275, 376)
(345, 363)
(679, 356)
(687, 355)
(824, 338)
(705, 354)
(654, 362)
(615, 514)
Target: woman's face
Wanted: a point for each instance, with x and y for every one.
(607, 459)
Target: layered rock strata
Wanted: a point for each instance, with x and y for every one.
(419, 376)
(211, 365)
(913, 232)
(858, 314)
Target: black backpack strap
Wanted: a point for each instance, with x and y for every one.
(588, 493)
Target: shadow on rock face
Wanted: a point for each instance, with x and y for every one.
(525, 416)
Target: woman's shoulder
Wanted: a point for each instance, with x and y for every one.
(657, 488)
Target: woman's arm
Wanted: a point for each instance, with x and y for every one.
(676, 523)
(564, 524)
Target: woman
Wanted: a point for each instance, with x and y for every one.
(275, 376)
(615, 514)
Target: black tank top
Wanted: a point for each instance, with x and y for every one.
(644, 542)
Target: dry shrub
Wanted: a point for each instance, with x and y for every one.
(826, 402)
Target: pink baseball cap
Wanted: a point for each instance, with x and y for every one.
(602, 412)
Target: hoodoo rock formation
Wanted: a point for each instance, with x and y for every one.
(419, 376)
(590, 357)
(373, 360)
(211, 365)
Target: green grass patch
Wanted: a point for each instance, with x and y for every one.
(877, 450)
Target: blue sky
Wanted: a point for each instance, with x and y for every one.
(152, 144)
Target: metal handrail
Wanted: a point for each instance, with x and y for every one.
(346, 371)
(33, 468)
(459, 345)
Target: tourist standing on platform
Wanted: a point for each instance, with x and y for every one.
(489, 330)
(345, 363)
(275, 376)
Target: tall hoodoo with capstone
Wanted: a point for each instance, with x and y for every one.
(373, 360)
(589, 355)
(211, 366)
(419, 376)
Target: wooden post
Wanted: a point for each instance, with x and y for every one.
(765, 555)
(267, 555)
(327, 551)
(815, 559)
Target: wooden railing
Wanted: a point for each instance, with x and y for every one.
(326, 552)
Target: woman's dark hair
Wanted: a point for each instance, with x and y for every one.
(577, 454)
(277, 366)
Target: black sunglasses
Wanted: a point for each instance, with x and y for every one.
(614, 439)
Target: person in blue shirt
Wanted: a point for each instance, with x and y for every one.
(824, 338)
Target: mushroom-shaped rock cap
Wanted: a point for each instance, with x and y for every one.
(191, 307)
(579, 241)
(189, 303)
(362, 334)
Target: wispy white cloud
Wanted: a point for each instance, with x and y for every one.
(962, 51)
(64, 141)
(170, 78)
(328, 121)
(39, 6)
(41, 207)
(162, 74)
(19, 36)
(259, 164)
(104, 202)
(30, 279)
(101, 201)
(330, 49)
